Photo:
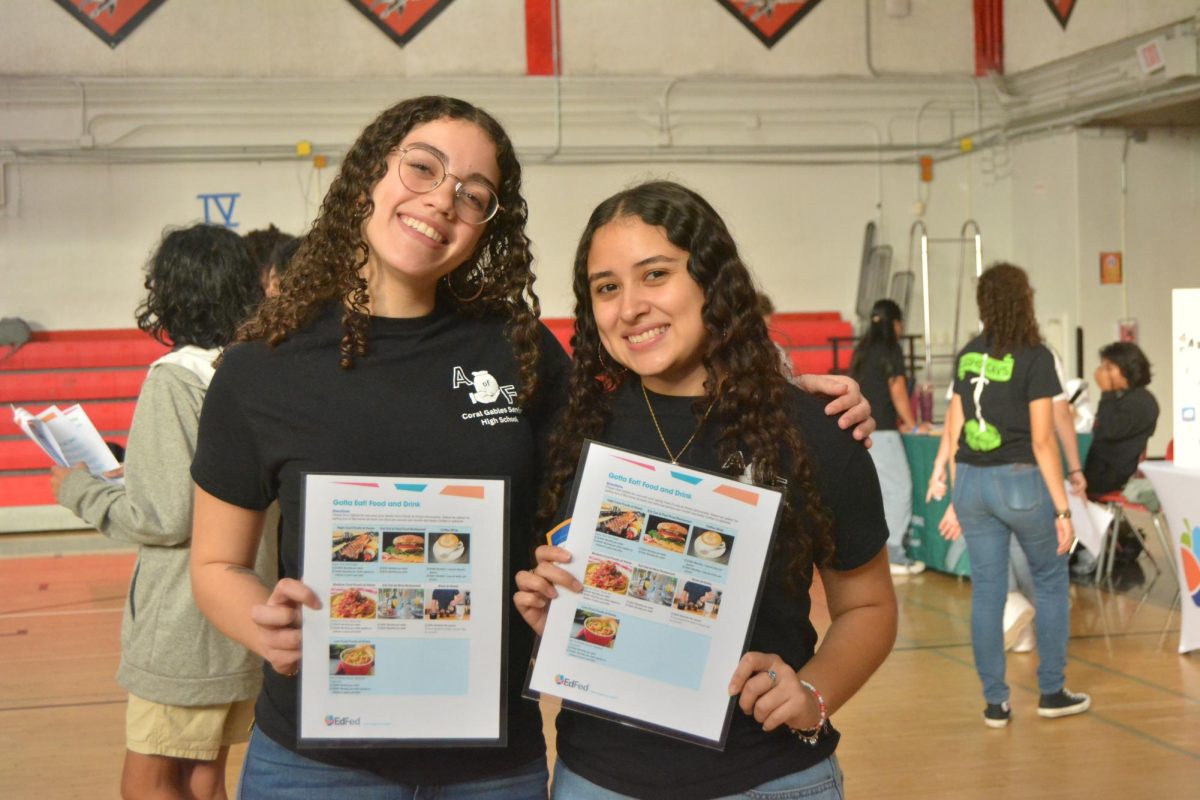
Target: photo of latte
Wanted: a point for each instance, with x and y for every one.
(449, 547)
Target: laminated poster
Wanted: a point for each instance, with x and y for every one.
(409, 647)
(672, 561)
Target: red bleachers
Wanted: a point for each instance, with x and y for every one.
(102, 370)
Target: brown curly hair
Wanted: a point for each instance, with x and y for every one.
(744, 385)
(1006, 309)
(326, 267)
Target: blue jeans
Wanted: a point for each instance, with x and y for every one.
(272, 771)
(992, 503)
(820, 782)
(895, 482)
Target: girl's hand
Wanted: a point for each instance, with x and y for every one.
(848, 404)
(949, 527)
(1066, 535)
(771, 692)
(278, 622)
(1078, 483)
(536, 587)
(937, 484)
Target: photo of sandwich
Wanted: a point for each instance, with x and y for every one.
(666, 534)
(407, 548)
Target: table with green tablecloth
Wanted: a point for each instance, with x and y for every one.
(925, 543)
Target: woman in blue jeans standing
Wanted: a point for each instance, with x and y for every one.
(1008, 478)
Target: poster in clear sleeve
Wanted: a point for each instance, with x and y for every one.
(672, 561)
(408, 647)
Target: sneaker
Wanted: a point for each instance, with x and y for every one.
(1063, 704)
(1018, 613)
(911, 568)
(1026, 641)
(997, 715)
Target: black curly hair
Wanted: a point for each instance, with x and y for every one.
(1130, 360)
(201, 284)
(327, 266)
(1005, 301)
(744, 385)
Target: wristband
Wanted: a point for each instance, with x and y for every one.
(810, 736)
(1062, 514)
(1073, 471)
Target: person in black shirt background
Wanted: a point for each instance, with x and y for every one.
(878, 366)
(1008, 480)
(1125, 418)
(668, 362)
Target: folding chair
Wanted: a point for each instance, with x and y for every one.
(1120, 506)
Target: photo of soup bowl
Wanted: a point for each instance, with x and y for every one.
(600, 630)
(448, 547)
(358, 660)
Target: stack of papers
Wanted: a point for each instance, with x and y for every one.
(68, 437)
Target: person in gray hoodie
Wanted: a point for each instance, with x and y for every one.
(191, 689)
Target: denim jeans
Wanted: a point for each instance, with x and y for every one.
(993, 503)
(895, 482)
(822, 781)
(272, 771)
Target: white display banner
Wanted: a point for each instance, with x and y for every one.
(672, 562)
(1178, 490)
(408, 648)
(1185, 359)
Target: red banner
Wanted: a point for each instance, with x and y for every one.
(769, 20)
(1061, 9)
(401, 19)
(111, 20)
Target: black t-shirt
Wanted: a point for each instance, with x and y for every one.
(880, 363)
(1125, 421)
(996, 427)
(642, 764)
(412, 406)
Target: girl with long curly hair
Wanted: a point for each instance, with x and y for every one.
(191, 690)
(1008, 479)
(671, 360)
(408, 309)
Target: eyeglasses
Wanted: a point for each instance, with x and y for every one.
(422, 170)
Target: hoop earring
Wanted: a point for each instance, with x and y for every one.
(479, 275)
(600, 351)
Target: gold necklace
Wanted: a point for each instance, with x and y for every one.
(674, 456)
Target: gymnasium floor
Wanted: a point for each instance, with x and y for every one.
(914, 731)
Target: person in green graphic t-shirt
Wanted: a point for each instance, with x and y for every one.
(1008, 481)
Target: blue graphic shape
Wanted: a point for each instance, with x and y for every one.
(223, 202)
(411, 487)
(692, 479)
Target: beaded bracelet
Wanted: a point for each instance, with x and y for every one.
(810, 736)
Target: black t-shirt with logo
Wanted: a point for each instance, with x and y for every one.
(880, 363)
(641, 764)
(996, 427)
(435, 395)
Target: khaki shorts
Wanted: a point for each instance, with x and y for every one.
(193, 732)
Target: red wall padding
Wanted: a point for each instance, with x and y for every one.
(72, 354)
(41, 388)
(26, 490)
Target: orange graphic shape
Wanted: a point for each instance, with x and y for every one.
(742, 495)
(1191, 569)
(474, 492)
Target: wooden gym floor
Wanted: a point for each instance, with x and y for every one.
(915, 731)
